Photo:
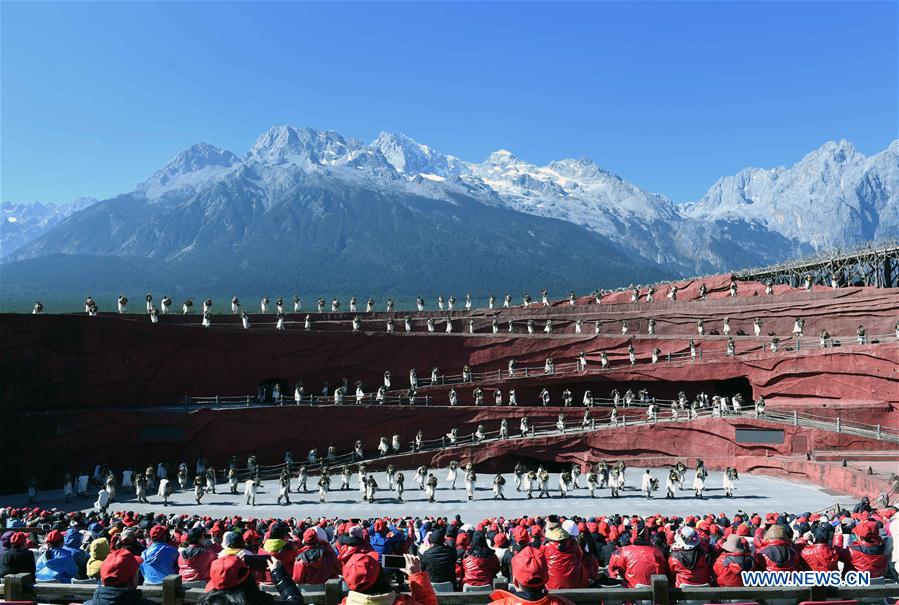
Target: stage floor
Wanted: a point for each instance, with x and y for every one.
(753, 493)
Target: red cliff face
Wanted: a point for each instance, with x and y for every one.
(72, 381)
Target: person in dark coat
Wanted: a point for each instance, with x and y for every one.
(16, 558)
(440, 560)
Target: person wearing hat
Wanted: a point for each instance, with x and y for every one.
(353, 541)
(195, 556)
(820, 554)
(776, 552)
(867, 552)
(564, 557)
(734, 559)
(636, 563)
(688, 563)
(316, 562)
(55, 563)
(530, 574)
(160, 558)
(279, 546)
(72, 543)
(99, 550)
(232, 583)
(369, 583)
(439, 560)
(119, 579)
(16, 558)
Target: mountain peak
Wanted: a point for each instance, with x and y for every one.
(281, 144)
(411, 158)
(198, 156)
(196, 164)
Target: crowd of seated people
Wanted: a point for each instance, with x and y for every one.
(449, 553)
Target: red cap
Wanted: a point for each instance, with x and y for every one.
(742, 530)
(500, 540)
(54, 537)
(250, 537)
(159, 533)
(529, 568)
(309, 536)
(361, 570)
(520, 534)
(867, 530)
(119, 568)
(227, 572)
(18, 539)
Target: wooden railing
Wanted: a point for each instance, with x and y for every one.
(21, 587)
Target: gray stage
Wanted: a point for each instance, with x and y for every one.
(754, 493)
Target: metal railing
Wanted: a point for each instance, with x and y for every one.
(574, 426)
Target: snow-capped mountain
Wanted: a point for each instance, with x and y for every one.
(311, 205)
(21, 223)
(834, 196)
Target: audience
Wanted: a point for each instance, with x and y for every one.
(536, 553)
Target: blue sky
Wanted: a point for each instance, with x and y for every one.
(96, 96)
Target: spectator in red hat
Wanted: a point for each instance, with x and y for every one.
(734, 559)
(369, 584)
(55, 563)
(529, 576)
(479, 564)
(867, 552)
(119, 579)
(232, 583)
(17, 558)
(160, 558)
(316, 561)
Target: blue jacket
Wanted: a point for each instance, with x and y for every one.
(160, 560)
(56, 565)
(384, 545)
(72, 544)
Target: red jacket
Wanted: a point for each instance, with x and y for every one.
(504, 597)
(728, 567)
(690, 567)
(287, 553)
(636, 564)
(777, 555)
(819, 557)
(862, 555)
(479, 571)
(194, 562)
(565, 562)
(419, 586)
(316, 564)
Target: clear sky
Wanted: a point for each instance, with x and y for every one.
(96, 96)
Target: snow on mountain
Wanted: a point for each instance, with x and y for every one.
(834, 196)
(192, 169)
(411, 158)
(21, 223)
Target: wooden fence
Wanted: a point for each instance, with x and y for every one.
(21, 588)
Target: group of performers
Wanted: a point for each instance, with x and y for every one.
(294, 478)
